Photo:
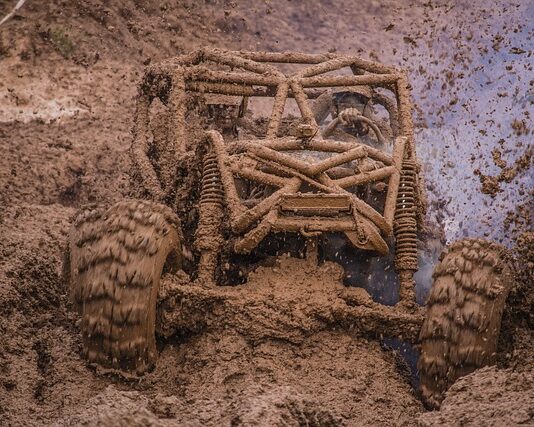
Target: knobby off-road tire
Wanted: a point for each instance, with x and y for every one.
(116, 260)
(464, 310)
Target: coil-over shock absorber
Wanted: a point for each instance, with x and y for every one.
(211, 207)
(405, 229)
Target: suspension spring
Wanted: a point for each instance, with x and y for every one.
(212, 192)
(209, 238)
(211, 205)
(405, 225)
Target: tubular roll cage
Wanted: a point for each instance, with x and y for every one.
(252, 74)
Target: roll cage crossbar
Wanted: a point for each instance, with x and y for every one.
(259, 77)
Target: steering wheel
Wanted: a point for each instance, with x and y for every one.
(352, 115)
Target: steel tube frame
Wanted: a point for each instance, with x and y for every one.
(259, 77)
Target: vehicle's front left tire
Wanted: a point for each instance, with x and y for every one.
(116, 258)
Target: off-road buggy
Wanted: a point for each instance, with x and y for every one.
(221, 189)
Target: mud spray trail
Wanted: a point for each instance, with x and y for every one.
(292, 346)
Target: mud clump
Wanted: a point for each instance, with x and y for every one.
(114, 408)
(489, 397)
(492, 184)
(225, 379)
(280, 406)
(520, 127)
(270, 345)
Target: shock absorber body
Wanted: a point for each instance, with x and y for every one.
(405, 229)
(208, 239)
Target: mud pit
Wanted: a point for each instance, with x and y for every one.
(64, 144)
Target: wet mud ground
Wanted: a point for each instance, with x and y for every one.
(68, 78)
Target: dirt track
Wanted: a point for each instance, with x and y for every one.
(68, 77)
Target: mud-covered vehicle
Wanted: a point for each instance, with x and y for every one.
(239, 157)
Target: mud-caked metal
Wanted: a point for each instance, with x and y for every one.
(334, 154)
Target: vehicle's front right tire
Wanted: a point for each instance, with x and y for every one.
(464, 310)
